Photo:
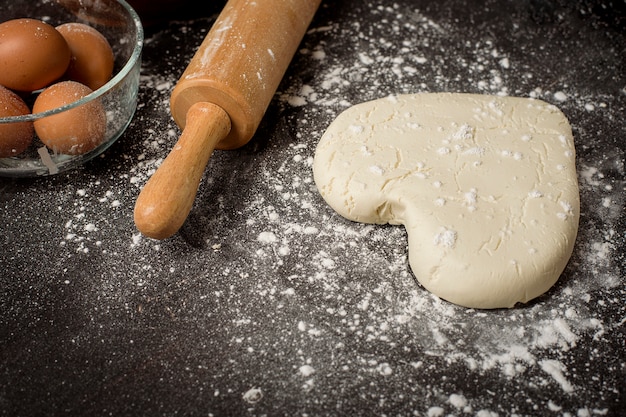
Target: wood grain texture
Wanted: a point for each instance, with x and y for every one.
(167, 198)
(232, 77)
(241, 61)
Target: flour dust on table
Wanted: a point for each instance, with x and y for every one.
(268, 302)
(363, 307)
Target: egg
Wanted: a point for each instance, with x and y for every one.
(75, 131)
(33, 54)
(92, 59)
(16, 137)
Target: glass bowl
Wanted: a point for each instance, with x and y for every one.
(121, 26)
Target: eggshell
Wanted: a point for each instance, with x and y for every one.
(92, 58)
(75, 131)
(15, 138)
(33, 54)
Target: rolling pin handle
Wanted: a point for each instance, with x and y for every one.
(167, 198)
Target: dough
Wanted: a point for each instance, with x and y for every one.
(486, 187)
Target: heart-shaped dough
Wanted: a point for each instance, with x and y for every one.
(486, 187)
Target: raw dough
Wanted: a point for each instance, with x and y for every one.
(486, 187)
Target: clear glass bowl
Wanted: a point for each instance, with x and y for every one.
(121, 25)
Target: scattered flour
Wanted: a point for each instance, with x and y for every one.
(360, 303)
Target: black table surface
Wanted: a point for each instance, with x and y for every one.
(268, 303)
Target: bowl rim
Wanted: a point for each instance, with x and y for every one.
(121, 74)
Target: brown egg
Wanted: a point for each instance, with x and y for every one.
(75, 131)
(92, 58)
(15, 138)
(33, 54)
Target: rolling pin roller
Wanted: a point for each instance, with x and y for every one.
(220, 100)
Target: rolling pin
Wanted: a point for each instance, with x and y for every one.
(220, 100)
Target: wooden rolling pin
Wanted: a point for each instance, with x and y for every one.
(220, 100)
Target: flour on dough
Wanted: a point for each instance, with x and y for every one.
(486, 187)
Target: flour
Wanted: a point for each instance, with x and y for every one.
(525, 335)
(306, 370)
(339, 296)
(556, 369)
